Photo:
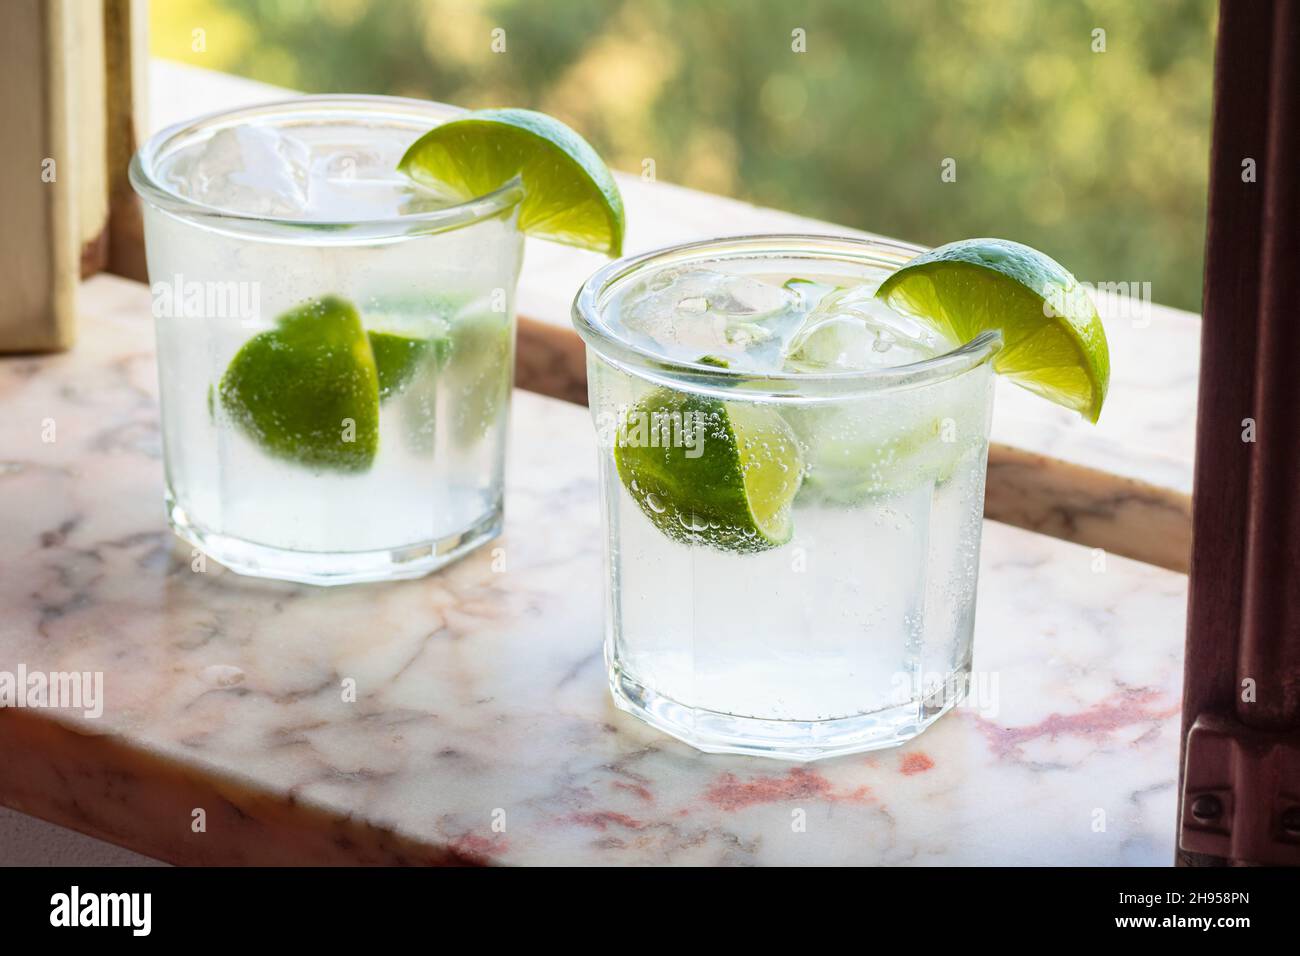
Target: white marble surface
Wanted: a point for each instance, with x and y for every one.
(481, 698)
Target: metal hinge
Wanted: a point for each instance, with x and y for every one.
(1241, 793)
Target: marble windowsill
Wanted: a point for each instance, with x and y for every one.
(481, 695)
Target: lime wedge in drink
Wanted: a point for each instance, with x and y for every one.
(403, 348)
(570, 195)
(397, 359)
(703, 471)
(411, 343)
(477, 373)
(853, 456)
(1052, 340)
(307, 390)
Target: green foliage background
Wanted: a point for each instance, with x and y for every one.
(1098, 158)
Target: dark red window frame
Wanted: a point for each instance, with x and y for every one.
(1240, 768)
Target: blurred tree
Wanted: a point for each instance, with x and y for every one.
(1081, 128)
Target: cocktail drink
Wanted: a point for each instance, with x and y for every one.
(335, 299)
(334, 342)
(792, 475)
(793, 481)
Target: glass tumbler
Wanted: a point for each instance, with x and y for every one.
(335, 345)
(853, 634)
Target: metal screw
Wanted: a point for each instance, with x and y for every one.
(1291, 822)
(1208, 807)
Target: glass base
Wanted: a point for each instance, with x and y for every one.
(798, 740)
(329, 568)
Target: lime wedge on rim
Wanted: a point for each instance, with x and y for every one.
(570, 195)
(708, 472)
(1053, 342)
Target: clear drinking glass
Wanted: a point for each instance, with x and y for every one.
(335, 344)
(853, 634)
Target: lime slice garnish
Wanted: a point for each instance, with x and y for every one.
(307, 391)
(1053, 341)
(721, 474)
(570, 195)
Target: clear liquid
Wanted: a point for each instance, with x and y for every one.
(854, 634)
(436, 480)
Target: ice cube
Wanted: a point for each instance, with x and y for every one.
(246, 169)
(692, 312)
(850, 329)
(352, 181)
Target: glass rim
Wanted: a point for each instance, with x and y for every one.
(599, 288)
(143, 171)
